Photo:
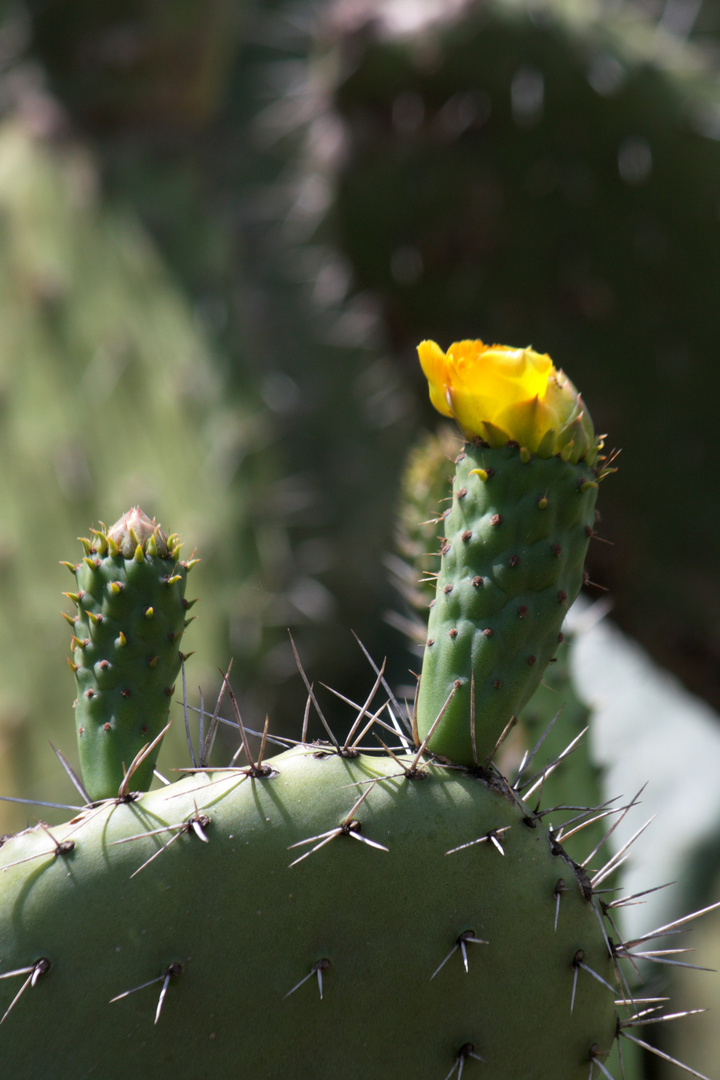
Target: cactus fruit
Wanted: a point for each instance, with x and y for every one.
(111, 395)
(516, 535)
(131, 615)
(426, 477)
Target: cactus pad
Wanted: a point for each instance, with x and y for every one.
(131, 614)
(357, 917)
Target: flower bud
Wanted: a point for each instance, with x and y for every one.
(135, 529)
(501, 394)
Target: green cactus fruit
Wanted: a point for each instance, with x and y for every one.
(318, 916)
(556, 715)
(111, 395)
(131, 615)
(516, 536)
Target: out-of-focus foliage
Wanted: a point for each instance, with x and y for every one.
(135, 63)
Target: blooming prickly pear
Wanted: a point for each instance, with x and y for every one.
(387, 915)
(516, 535)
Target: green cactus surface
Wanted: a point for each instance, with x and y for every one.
(318, 916)
(131, 615)
(516, 535)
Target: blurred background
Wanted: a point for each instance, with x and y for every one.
(224, 227)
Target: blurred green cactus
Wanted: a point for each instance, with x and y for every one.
(130, 63)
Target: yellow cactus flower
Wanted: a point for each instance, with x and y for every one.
(501, 394)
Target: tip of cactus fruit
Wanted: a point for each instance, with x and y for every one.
(136, 531)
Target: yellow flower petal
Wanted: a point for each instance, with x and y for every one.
(434, 365)
(528, 421)
(500, 394)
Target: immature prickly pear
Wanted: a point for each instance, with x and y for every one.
(131, 614)
(557, 714)
(516, 535)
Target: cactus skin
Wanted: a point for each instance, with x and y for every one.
(131, 615)
(512, 563)
(558, 701)
(246, 927)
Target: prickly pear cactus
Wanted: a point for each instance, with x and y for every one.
(517, 531)
(131, 615)
(330, 912)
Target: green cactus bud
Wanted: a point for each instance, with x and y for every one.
(126, 656)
